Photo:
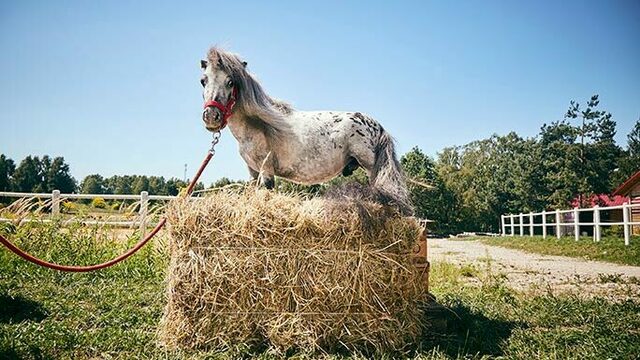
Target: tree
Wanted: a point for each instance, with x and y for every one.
(28, 175)
(174, 186)
(629, 160)
(157, 185)
(7, 169)
(58, 176)
(438, 204)
(93, 184)
(598, 152)
(140, 184)
(633, 141)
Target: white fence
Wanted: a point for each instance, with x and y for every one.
(56, 198)
(557, 224)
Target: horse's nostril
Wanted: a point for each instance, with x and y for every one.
(211, 115)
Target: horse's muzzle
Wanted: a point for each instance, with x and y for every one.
(212, 118)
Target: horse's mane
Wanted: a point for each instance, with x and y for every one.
(252, 100)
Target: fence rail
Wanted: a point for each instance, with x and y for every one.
(557, 225)
(56, 197)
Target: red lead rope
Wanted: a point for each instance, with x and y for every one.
(116, 260)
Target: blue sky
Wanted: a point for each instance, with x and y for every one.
(113, 86)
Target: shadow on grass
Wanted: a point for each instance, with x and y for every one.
(18, 309)
(470, 333)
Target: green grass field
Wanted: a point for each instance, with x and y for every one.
(114, 313)
(611, 249)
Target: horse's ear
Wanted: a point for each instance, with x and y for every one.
(203, 64)
(244, 64)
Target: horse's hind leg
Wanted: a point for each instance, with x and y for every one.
(351, 166)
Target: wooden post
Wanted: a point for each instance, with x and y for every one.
(558, 223)
(625, 220)
(597, 229)
(576, 226)
(55, 203)
(504, 226)
(544, 224)
(513, 226)
(144, 201)
(521, 225)
(530, 224)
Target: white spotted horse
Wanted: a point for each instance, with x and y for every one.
(305, 147)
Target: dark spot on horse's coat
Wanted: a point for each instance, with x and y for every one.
(360, 132)
(351, 135)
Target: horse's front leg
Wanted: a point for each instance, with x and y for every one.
(264, 180)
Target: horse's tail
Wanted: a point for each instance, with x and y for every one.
(387, 177)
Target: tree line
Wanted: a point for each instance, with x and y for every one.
(570, 159)
(36, 175)
(473, 184)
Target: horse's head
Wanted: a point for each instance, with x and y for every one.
(220, 89)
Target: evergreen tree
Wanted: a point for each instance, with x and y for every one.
(7, 169)
(58, 176)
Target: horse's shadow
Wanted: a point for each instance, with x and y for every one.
(469, 333)
(17, 309)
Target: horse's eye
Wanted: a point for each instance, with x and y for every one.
(203, 81)
(229, 83)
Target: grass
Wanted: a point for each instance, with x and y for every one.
(113, 314)
(611, 249)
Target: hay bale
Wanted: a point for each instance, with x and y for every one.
(256, 267)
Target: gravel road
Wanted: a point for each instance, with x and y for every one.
(535, 272)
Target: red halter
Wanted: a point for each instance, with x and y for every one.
(226, 110)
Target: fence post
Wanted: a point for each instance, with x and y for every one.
(144, 200)
(558, 223)
(521, 225)
(55, 203)
(504, 226)
(530, 224)
(576, 223)
(513, 226)
(597, 229)
(625, 220)
(544, 224)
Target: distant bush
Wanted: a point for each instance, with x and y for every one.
(115, 205)
(99, 203)
(69, 207)
(613, 231)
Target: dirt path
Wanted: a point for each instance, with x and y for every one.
(535, 272)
